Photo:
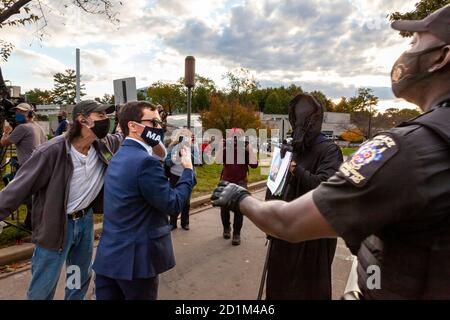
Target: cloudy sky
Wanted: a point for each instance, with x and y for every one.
(329, 45)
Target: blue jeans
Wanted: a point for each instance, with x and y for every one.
(46, 265)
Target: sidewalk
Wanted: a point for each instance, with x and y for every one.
(207, 266)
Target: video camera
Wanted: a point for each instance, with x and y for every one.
(7, 104)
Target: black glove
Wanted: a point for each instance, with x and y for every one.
(229, 195)
(285, 148)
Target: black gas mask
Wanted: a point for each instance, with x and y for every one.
(306, 117)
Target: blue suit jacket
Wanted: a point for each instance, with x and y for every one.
(136, 241)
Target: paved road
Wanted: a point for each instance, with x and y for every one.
(208, 267)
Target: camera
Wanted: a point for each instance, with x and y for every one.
(7, 111)
(7, 104)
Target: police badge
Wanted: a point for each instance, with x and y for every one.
(369, 159)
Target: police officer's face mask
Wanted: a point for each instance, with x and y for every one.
(408, 70)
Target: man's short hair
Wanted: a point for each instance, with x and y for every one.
(133, 111)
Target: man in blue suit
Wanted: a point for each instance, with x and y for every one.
(136, 245)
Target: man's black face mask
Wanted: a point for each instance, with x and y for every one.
(305, 116)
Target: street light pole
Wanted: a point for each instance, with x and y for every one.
(189, 82)
(78, 86)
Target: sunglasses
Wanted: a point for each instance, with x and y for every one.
(154, 122)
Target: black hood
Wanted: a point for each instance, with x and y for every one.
(306, 117)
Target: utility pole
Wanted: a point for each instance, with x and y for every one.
(78, 95)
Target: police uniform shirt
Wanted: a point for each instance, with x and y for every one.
(397, 187)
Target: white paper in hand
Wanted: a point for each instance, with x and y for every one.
(278, 171)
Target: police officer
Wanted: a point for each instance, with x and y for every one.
(391, 201)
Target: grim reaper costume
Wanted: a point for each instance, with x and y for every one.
(303, 270)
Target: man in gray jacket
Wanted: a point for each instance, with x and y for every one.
(65, 175)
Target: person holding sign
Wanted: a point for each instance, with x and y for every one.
(303, 270)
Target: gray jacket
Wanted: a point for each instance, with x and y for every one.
(47, 175)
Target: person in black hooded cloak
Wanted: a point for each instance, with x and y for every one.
(302, 271)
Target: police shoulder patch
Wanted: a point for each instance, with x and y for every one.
(370, 157)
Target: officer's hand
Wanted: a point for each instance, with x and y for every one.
(229, 195)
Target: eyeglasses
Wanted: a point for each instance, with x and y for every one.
(154, 122)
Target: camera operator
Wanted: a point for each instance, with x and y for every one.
(26, 136)
(66, 177)
(182, 138)
(235, 170)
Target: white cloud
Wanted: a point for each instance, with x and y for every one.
(332, 44)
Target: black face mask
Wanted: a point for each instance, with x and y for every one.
(101, 128)
(153, 136)
(408, 71)
(305, 116)
(60, 119)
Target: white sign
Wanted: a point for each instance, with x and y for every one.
(125, 90)
(278, 171)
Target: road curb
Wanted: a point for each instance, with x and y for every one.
(17, 253)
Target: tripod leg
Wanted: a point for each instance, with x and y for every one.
(264, 274)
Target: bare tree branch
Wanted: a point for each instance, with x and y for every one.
(14, 9)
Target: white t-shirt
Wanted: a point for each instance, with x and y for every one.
(87, 180)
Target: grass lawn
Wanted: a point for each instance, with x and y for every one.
(11, 234)
(208, 176)
(348, 151)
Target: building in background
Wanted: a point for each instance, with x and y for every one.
(335, 124)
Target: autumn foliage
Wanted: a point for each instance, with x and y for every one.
(226, 114)
(353, 135)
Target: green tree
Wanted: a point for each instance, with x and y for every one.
(19, 13)
(274, 104)
(277, 101)
(38, 96)
(141, 96)
(65, 88)
(294, 90)
(171, 96)
(362, 106)
(343, 106)
(241, 85)
(392, 117)
(324, 101)
(422, 10)
(106, 99)
(204, 89)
